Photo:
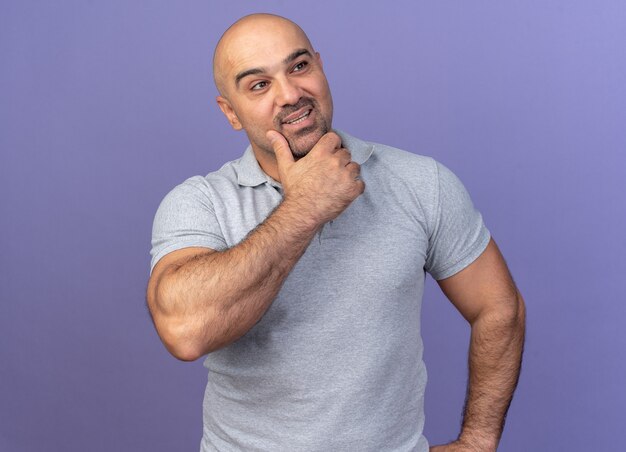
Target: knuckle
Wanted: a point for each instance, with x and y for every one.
(333, 139)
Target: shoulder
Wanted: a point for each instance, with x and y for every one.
(384, 158)
(206, 187)
(400, 159)
(420, 169)
(189, 214)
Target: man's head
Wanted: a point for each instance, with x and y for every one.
(270, 78)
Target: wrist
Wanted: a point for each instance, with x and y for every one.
(478, 441)
(302, 214)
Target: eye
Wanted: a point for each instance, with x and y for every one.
(259, 86)
(300, 66)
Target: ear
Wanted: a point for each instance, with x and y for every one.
(228, 111)
(319, 59)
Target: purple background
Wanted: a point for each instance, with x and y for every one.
(105, 106)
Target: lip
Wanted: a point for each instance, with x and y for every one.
(297, 114)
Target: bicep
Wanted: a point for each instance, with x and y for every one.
(483, 285)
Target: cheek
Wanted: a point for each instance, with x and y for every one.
(263, 112)
(322, 92)
(256, 115)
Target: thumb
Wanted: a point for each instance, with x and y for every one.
(284, 157)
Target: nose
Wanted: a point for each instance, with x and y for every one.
(289, 93)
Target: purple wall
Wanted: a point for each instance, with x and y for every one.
(105, 106)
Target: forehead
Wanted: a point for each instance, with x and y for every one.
(263, 45)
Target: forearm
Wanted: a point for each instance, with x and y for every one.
(213, 299)
(496, 346)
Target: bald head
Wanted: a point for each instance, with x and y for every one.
(243, 36)
(270, 78)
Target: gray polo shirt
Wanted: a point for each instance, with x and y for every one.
(336, 361)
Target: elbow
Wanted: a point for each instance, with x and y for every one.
(507, 313)
(187, 334)
(515, 309)
(187, 354)
(177, 335)
(188, 344)
(511, 314)
(520, 312)
(173, 328)
(181, 346)
(185, 338)
(186, 347)
(180, 342)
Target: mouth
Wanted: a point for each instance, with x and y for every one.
(298, 117)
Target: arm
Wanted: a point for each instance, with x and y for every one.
(202, 300)
(486, 296)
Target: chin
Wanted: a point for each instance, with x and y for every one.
(300, 147)
(305, 140)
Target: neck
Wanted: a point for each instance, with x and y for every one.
(267, 162)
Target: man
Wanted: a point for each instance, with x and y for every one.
(299, 270)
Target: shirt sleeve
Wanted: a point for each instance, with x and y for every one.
(458, 235)
(185, 218)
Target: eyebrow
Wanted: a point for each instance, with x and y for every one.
(258, 70)
(293, 55)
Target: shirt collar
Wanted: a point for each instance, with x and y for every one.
(250, 174)
(360, 150)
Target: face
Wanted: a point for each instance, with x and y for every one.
(272, 79)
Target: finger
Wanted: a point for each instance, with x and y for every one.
(355, 174)
(354, 168)
(284, 157)
(344, 156)
(330, 142)
(360, 186)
